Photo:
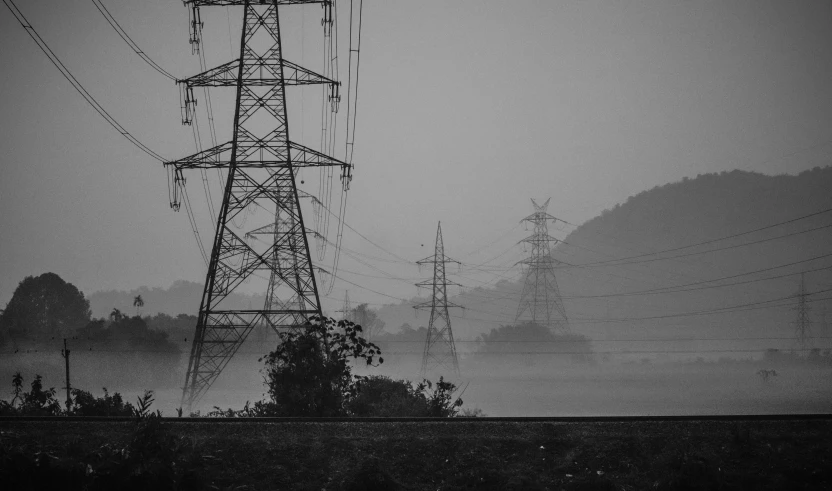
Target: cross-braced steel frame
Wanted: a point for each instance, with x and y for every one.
(262, 164)
(803, 323)
(440, 350)
(540, 301)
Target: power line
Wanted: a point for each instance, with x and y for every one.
(127, 39)
(590, 340)
(617, 261)
(501, 237)
(722, 310)
(682, 288)
(404, 260)
(659, 291)
(715, 250)
(485, 353)
(18, 15)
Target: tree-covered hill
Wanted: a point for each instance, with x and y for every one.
(181, 297)
(614, 276)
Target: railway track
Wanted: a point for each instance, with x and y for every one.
(460, 420)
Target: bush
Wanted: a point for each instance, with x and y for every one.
(85, 404)
(37, 402)
(309, 373)
(380, 396)
(42, 402)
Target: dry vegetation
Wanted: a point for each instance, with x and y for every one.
(438, 455)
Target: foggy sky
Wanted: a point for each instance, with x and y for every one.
(466, 110)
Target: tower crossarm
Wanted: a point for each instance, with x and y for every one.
(429, 305)
(544, 261)
(538, 238)
(432, 260)
(219, 157)
(205, 159)
(230, 3)
(429, 283)
(540, 215)
(272, 229)
(263, 73)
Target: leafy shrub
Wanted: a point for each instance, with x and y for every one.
(85, 404)
(380, 396)
(42, 402)
(37, 402)
(143, 404)
(258, 410)
(309, 373)
(472, 413)
(440, 401)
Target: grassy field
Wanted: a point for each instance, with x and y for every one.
(437, 455)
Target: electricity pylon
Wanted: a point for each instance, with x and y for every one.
(540, 301)
(803, 324)
(262, 163)
(346, 310)
(440, 350)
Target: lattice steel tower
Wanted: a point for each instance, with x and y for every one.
(262, 164)
(346, 311)
(440, 350)
(803, 324)
(540, 301)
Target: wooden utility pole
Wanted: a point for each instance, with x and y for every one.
(65, 354)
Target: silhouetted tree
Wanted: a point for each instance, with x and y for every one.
(138, 302)
(43, 307)
(368, 319)
(527, 338)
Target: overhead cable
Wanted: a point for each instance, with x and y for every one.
(75, 83)
(127, 39)
(710, 241)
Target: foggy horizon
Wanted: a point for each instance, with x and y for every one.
(583, 104)
(629, 120)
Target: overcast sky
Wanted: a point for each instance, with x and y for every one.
(466, 110)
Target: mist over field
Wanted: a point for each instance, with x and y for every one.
(640, 341)
(315, 244)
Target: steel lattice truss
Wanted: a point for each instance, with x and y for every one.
(262, 164)
(803, 323)
(540, 301)
(440, 350)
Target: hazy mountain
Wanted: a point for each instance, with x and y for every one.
(605, 300)
(609, 263)
(182, 297)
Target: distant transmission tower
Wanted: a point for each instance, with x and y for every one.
(262, 165)
(440, 350)
(540, 301)
(346, 309)
(803, 324)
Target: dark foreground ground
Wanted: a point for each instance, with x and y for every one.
(719, 455)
